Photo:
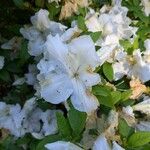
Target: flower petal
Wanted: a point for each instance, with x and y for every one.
(85, 52)
(143, 126)
(62, 145)
(55, 84)
(90, 79)
(82, 99)
(101, 144)
(116, 146)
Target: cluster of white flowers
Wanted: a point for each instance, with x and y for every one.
(64, 69)
(41, 28)
(100, 144)
(114, 25)
(29, 119)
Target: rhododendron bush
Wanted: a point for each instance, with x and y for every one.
(75, 75)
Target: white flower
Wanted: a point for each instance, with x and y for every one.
(109, 22)
(37, 33)
(117, 146)
(11, 119)
(93, 24)
(107, 48)
(102, 144)
(128, 111)
(147, 44)
(146, 5)
(29, 119)
(31, 75)
(49, 122)
(62, 145)
(37, 122)
(114, 24)
(143, 126)
(119, 70)
(41, 22)
(143, 106)
(67, 70)
(1, 62)
(141, 68)
(70, 34)
(146, 53)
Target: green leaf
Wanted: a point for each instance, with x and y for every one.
(13, 66)
(77, 120)
(23, 53)
(82, 11)
(95, 35)
(116, 96)
(101, 90)
(108, 71)
(4, 75)
(126, 95)
(126, 44)
(63, 125)
(103, 94)
(39, 3)
(53, 10)
(139, 139)
(81, 23)
(124, 129)
(48, 139)
(106, 100)
(127, 102)
(136, 43)
(19, 3)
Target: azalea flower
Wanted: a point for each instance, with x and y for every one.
(71, 33)
(37, 33)
(146, 5)
(140, 68)
(114, 24)
(128, 115)
(146, 53)
(111, 21)
(31, 75)
(59, 145)
(11, 119)
(67, 70)
(120, 64)
(102, 144)
(29, 119)
(108, 45)
(105, 125)
(48, 118)
(1, 62)
(92, 22)
(143, 106)
(143, 126)
(37, 122)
